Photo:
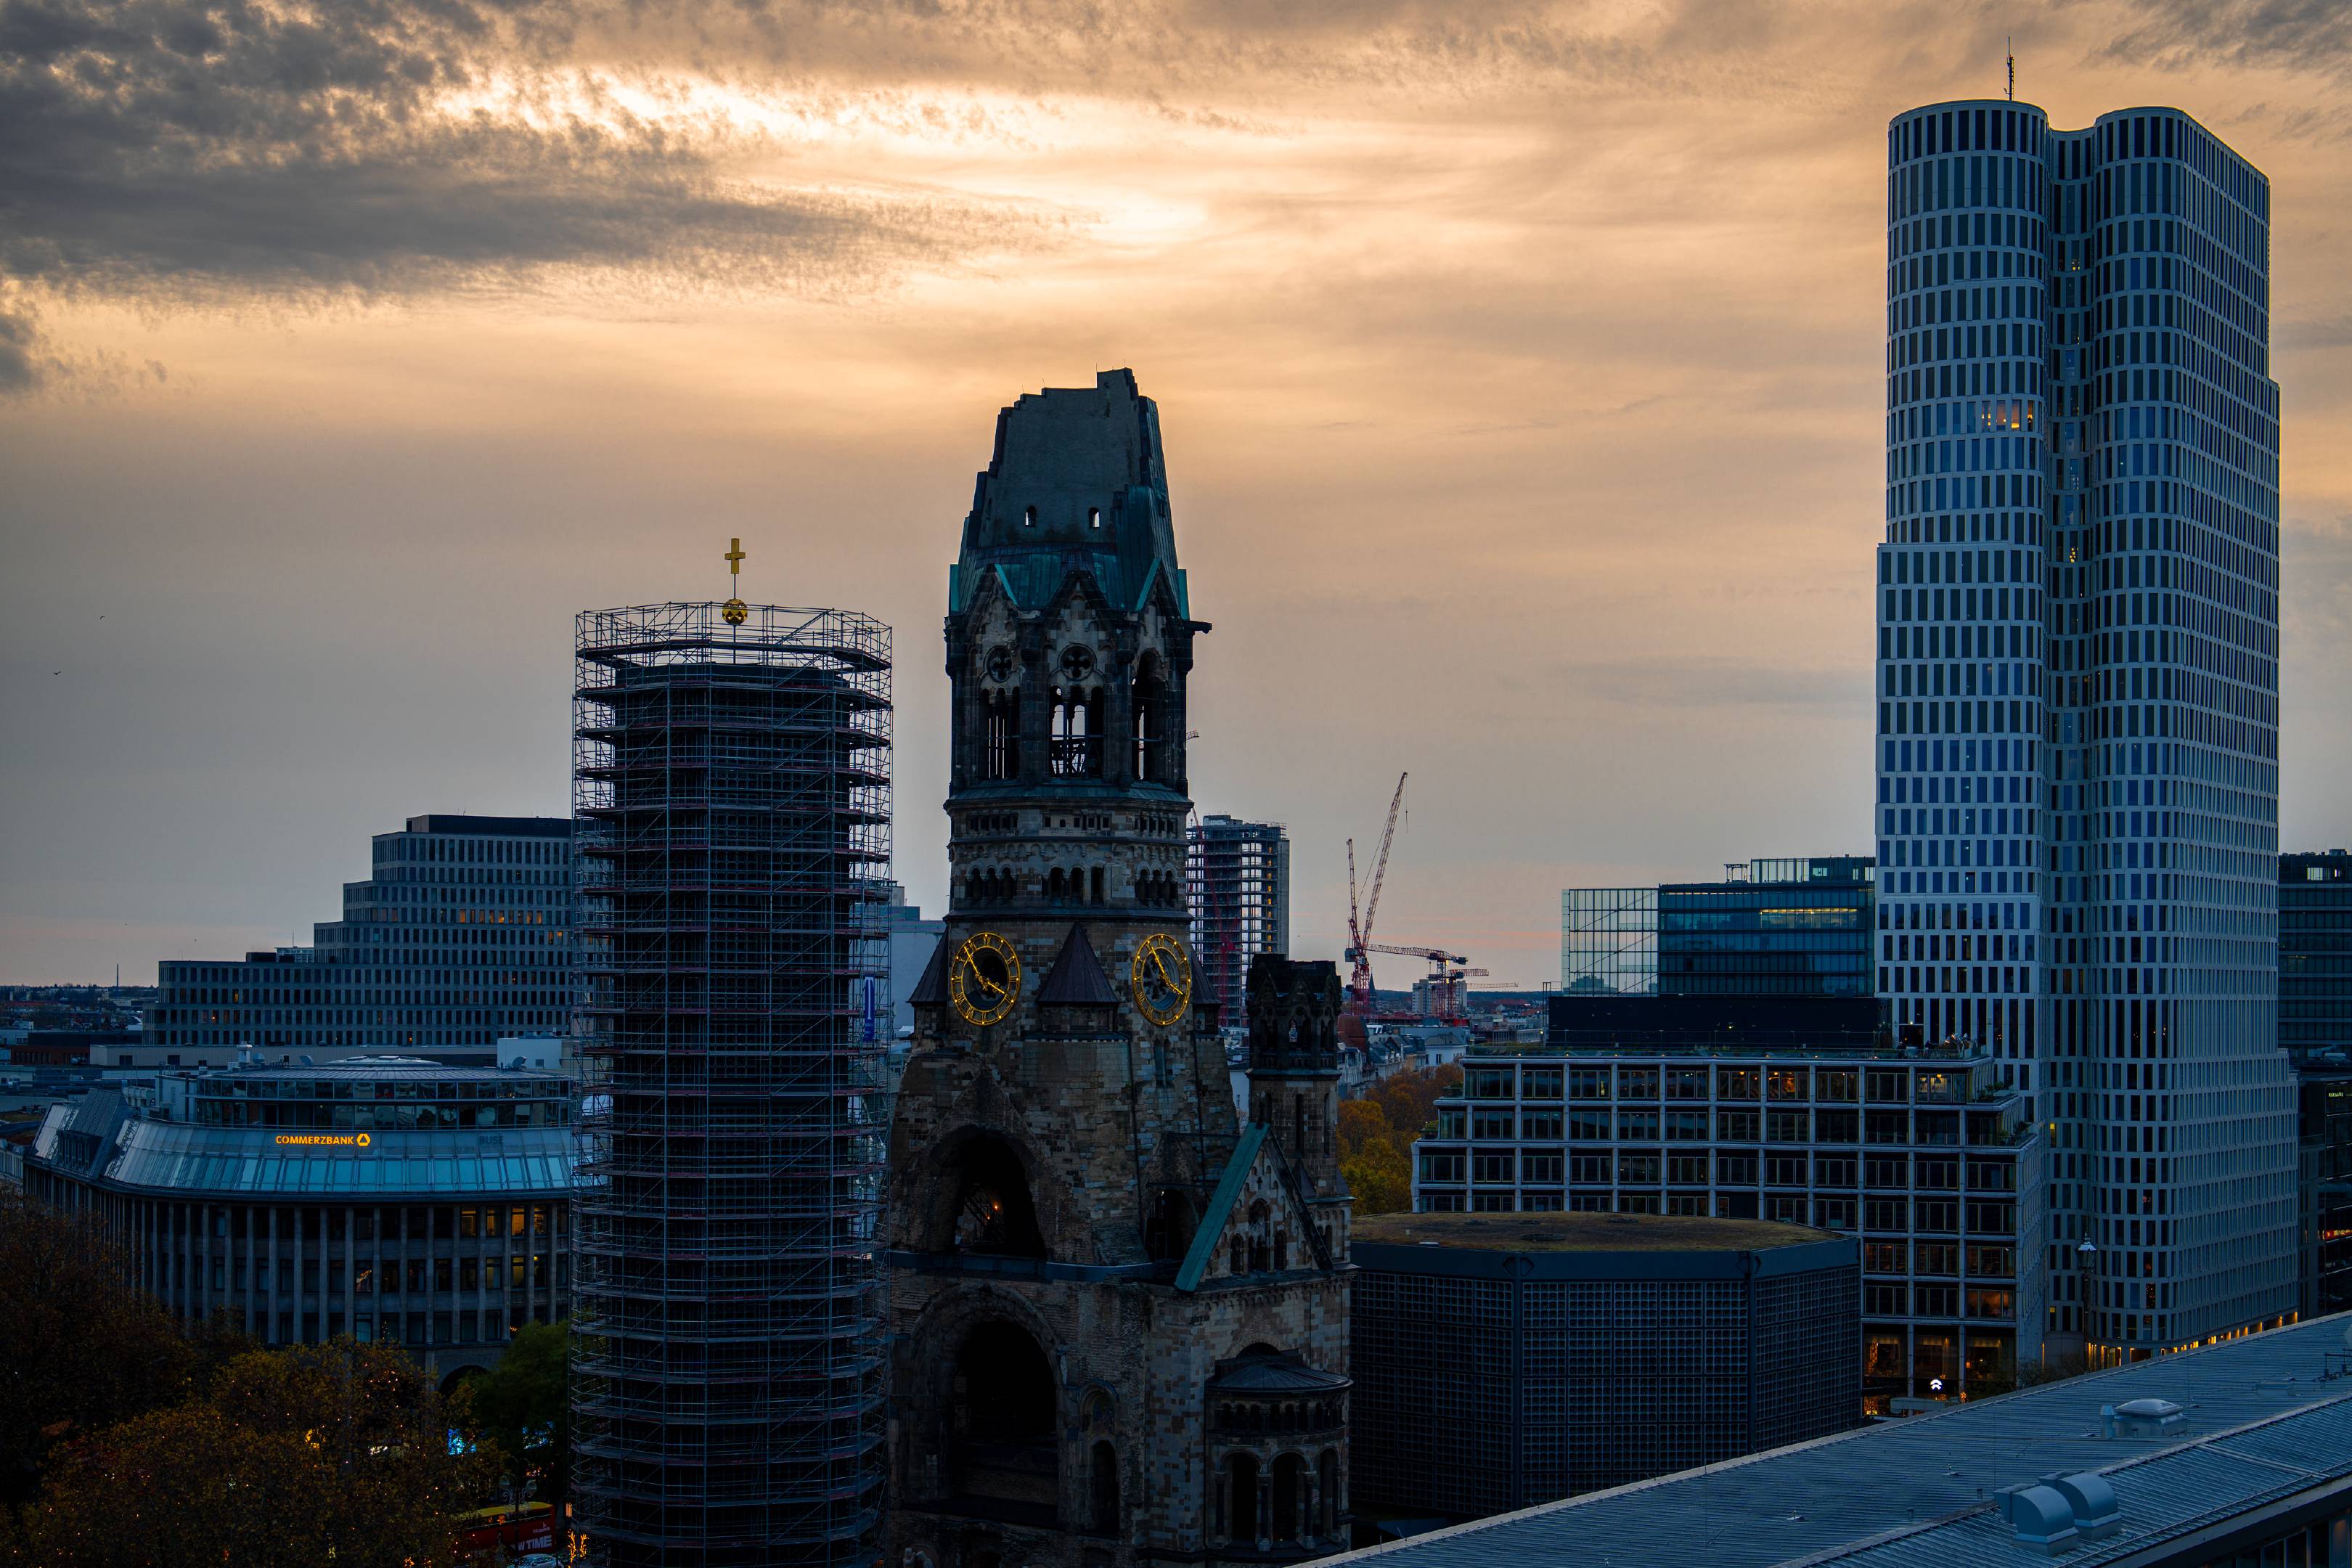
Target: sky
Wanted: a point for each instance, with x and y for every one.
(1519, 366)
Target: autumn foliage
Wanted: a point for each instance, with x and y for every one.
(128, 1444)
(1377, 1131)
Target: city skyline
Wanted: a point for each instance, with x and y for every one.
(339, 538)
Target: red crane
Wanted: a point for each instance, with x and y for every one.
(1359, 951)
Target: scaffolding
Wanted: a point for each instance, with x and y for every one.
(1238, 875)
(732, 790)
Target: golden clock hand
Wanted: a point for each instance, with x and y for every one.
(1160, 961)
(984, 980)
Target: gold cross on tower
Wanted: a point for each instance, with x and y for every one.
(734, 558)
(734, 611)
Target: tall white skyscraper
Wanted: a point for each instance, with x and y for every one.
(2078, 687)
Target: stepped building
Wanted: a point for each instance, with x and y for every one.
(1118, 1320)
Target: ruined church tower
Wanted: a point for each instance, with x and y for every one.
(1118, 1312)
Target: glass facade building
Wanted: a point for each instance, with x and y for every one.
(459, 935)
(1781, 927)
(2077, 685)
(1237, 877)
(388, 1198)
(2315, 953)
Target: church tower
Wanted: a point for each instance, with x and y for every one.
(1118, 1312)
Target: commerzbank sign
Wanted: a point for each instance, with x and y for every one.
(331, 1139)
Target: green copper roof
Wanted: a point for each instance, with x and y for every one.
(1076, 483)
(1213, 1223)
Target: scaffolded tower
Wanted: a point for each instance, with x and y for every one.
(731, 787)
(1237, 877)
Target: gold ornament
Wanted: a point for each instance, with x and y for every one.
(984, 981)
(1162, 979)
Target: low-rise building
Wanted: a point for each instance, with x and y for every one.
(1503, 1360)
(388, 1198)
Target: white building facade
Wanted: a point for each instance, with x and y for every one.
(2077, 671)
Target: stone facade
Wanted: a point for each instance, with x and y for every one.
(1119, 1315)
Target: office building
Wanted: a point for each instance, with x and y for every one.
(1778, 927)
(1501, 1361)
(2231, 1454)
(1794, 1111)
(385, 1197)
(2314, 952)
(731, 789)
(2078, 667)
(912, 940)
(1118, 1309)
(460, 933)
(1237, 878)
(2324, 1185)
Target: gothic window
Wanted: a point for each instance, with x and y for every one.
(1077, 731)
(1146, 702)
(1097, 885)
(1001, 750)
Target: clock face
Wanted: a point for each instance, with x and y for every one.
(984, 980)
(1162, 978)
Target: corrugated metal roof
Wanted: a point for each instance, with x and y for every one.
(2263, 1420)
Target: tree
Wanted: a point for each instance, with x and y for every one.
(1377, 1133)
(328, 1453)
(522, 1407)
(80, 1349)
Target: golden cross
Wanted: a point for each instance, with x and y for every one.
(734, 558)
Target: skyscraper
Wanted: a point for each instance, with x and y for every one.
(731, 786)
(2077, 678)
(1237, 878)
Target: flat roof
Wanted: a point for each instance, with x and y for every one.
(1581, 1232)
(2268, 1425)
(489, 826)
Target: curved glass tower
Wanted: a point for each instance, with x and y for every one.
(2077, 677)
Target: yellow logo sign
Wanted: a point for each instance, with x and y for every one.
(341, 1140)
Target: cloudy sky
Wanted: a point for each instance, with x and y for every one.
(1518, 364)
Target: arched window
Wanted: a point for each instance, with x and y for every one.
(1102, 1488)
(1242, 1490)
(1326, 1493)
(1002, 1424)
(1001, 748)
(1056, 885)
(1146, 700)
(992, 1214)
(1289, 1499)
(1077, 731)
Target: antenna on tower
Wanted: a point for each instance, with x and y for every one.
(2011, 42)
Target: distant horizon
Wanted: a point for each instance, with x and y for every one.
(1519, 367)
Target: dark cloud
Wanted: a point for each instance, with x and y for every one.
(177, 146)
(21, 366)
(2295, 35)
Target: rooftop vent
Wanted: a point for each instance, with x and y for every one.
(2059, 1511)
(2142, 1419)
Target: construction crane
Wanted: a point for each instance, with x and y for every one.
(1449, 977)
(1359, 979)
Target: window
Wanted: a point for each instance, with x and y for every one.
(1539, 1083)
(1785, 1171)
(1787, 1127)
(1536, 1167)
(1936, 1300)
(1588, 1169)
(1833, 1170)
(1736, 1126)
(1689, 1125)
(1441, 1165)
(1738, 1083)
(1637, 1167)
(1588, 1083)
(1991, 1262)
(1485, 1167)
(1936, 1214)
(1885, 1214)
(1488, 1083)
(1885, 1258)
(1588, 1126)
(1787, 1083)
(1735, 1170)
(1638, 1124)
(1686, 1083)
(1637, 1083)
(1936, 1258)
(1539, 1125)
(1687, 1170)
(1487, 1124)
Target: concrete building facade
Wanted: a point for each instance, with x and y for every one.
(2077, 687)
(1119, 1319)
(459, 934)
